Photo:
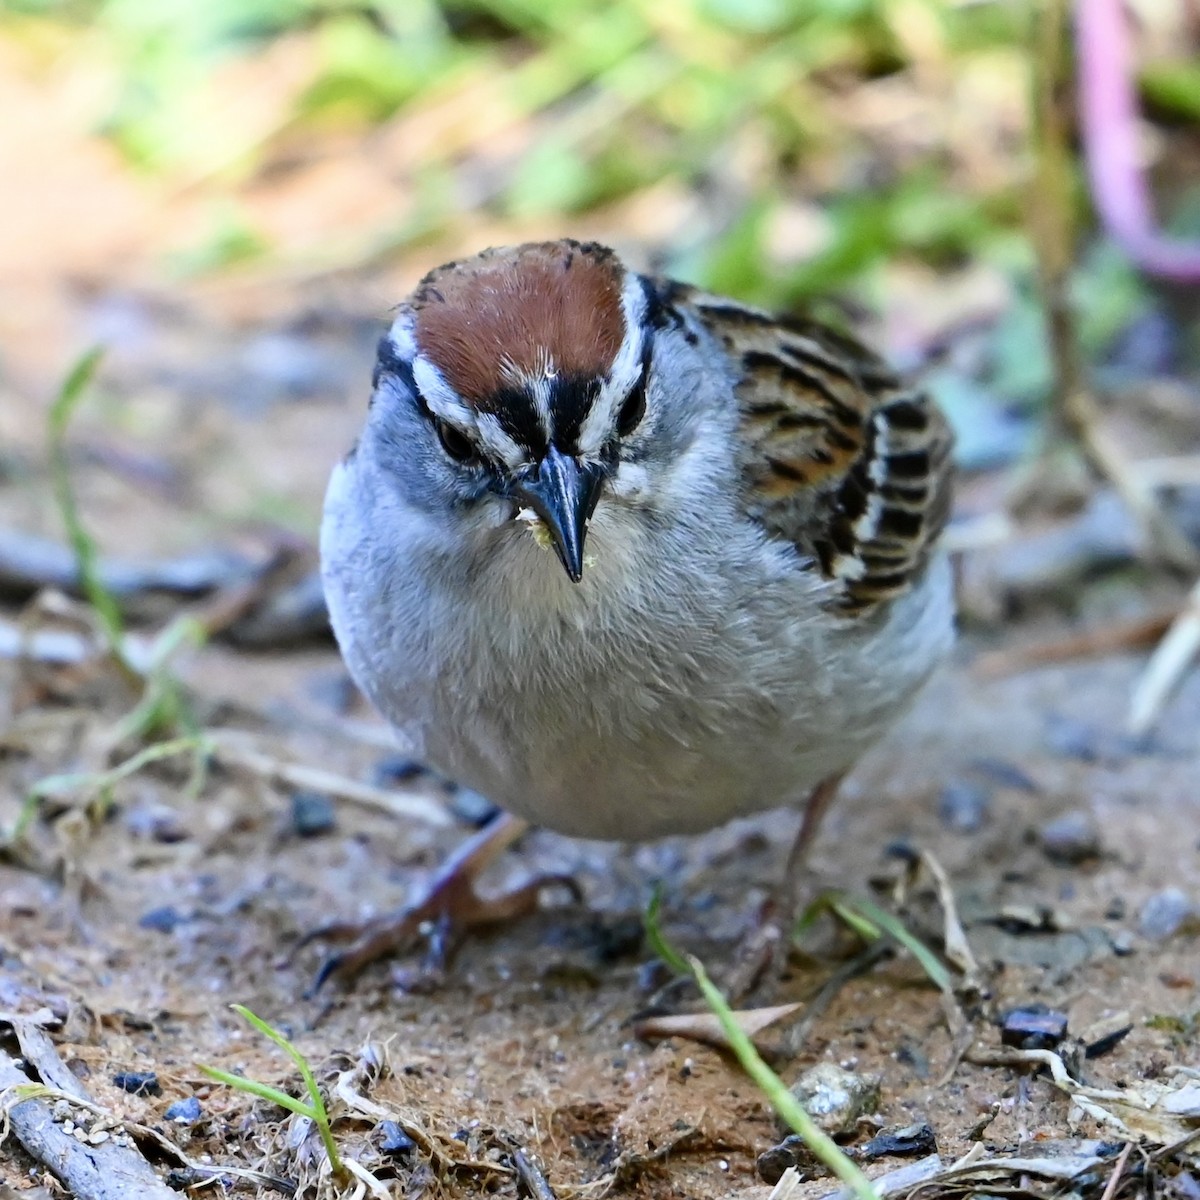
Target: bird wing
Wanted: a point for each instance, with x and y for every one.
(838, 457)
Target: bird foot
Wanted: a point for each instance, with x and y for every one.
(761, 959)
(449, 909)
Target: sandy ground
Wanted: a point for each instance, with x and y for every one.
(145, 924)
(136, 916)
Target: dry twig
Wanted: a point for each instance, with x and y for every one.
(1167, 666)
(236, 751)
(1134, 634)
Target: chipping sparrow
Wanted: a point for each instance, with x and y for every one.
(629, 559)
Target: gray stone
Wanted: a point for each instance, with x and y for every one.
(1070, 839)
(835, 1098)
(1167, 913)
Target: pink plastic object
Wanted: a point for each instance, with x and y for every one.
(1108, 115)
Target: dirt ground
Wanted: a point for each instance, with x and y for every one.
(142, 919)
(137, 916)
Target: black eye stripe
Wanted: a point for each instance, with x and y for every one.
(388, 361)
(633, 408)
(457, 445)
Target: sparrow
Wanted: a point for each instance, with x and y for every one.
(629, 559)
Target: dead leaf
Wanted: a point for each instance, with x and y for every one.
(704, 1027)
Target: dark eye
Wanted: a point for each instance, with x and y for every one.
(454, 442)
(633, 410)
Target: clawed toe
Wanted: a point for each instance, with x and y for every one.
(369, 942)
(760, 962)
(450, 909)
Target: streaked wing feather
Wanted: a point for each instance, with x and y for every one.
(839, 457)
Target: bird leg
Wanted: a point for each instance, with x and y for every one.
(764, 955)
(448, 908)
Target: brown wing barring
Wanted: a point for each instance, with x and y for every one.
(838, 457)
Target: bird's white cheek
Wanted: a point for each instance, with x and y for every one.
(631, 481)
(491, 512)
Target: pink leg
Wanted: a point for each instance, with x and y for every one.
(764, 955)
(448, 908)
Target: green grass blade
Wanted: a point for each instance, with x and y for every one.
(659, 944)
(263, 1091)
(843, 907)
(98, 596)
(57, 785)
(895, 929)
(776, 1091)
(316, 1109)
(282, 1042)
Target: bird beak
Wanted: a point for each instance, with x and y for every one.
(563, 492)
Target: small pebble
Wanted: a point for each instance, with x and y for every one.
(155, 822)
(1070, 738)
(1070, 839)
(964, 807)
(396, 769)
(1108, 1042)
(1165, 914)
(1033, 1027)
(902, 850)
(185, 1112)
(393, 1140)
(472, 808)
(312, 814)
(907, 1142)
(1123, 943)
(1005, 774)
(835, 1098)
(138, 1083)
(652, 975)
(163, 920)
(98, 1137)
(793, 1151)
(913, 1056)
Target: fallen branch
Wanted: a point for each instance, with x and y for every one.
(108, 1171)
(22, 1106)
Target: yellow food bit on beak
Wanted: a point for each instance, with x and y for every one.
(537, 527)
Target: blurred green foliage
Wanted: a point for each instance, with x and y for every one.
(624, 94)
(746, 106)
